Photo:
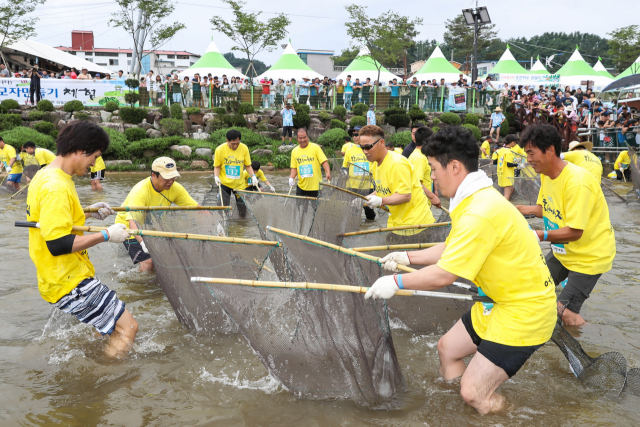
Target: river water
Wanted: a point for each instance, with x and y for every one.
(53, 372)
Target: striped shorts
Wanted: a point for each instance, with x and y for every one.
(93, 303)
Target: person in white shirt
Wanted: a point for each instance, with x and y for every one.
(371, 115)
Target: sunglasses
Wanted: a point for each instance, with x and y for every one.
(370, 146)
(355, 134)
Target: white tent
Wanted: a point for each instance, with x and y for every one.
(437, 67)
(538, 68)
(364, 66)
(52, 54)
(289, 66)
(576, 71)
(212, 62)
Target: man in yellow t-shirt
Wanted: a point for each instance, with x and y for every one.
(229, 160)
(66, 276)
(255, 165)
(12, 164)
(160, 189)
(580, 154)
(306, 160)
(421, 165)
(396, 184)
(42, 155)
(488, 238)
(390, 147)
(97, 174)
(621, 166)
(506, 164)
(347, 144)
(576, 221)
(485, 148)
(360, 178)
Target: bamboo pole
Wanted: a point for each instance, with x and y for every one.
(402, 227)
(160, 208)
(384, 208)
(612, 190)
(19, 191)
(339, 288)
(395, 247)
(278, 195)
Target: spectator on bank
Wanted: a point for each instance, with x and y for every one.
(348, 93)
(303, 90)
(84, 75)
(340, 93)
(3, 71)
(73, 73)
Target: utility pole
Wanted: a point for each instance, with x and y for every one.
(134, 56)
(475, 17)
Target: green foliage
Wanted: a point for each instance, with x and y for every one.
(301, 108)
(511, 118)
(132, 83)
(35, 115)
(261, 127)
(246, 108)
(333, 139)
(249, 138)
(111, 106)
(231, 120)
(624, 47)
(340, 111)
(216, 124)
(401, 139)
(54, 134)
(472, 119)
(301, 119)
(132, 115)
(176, 111)
(117, 145)
(436, 121)
(399, 120)
(17, 136)
(80, 115)
(459, 36)
(45, 105)
(505, 128)
(12, 104)
(416, 113)
(159, 145)
(135, 134)
(44, 127)
(360, 109)
(193, 110)
(324, 116)
(450, 119)
(172, 127)
(164, 110)
(131, 98)
(357, 121)
(338, 124)
(3, 109)
(243, 63)
(72, 106)
(435, 129)
(10, 121)
(394, 110)
(219, 110)
(281, 161)
(474, 130)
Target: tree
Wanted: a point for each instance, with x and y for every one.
(13, 23)
(243, 63)
(459, 37)
(250, 35)
(346, 56)
(147, 26)
(388, 36)
(624, 46)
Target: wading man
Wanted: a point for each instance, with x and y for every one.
(306, 160)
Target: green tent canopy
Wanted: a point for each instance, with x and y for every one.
(364, 66)
(538, 68)
(633, 69)
(437, 67)
(212, 62)
(599, 68)
(508, 65)
(289, 66)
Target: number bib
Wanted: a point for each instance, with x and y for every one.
(305, 171)
(557, 248)
(360, 168)
(487, 306)
(232, 172)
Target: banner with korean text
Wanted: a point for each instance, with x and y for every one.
(59, 91)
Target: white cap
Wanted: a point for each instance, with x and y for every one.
(166, 167)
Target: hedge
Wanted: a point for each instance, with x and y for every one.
(135, 134)
(394, 110)
(401, 139)
(117, 147)
(360, 109)
(338, 124)
(246, 108)
(35, 115)
(72, 106)
(11, 104)
(172, 127)
(249, 138)
(45, 105)
(193, 110)
(340, 111)
(301, 119)
(357, 121)
(416, 113)
(471, 119)
(474, 130)
(111, 106)
(333, 139)
(17, 136)
(450, 119)
(10, 121)
(399, 120)
(176, 111)
(132, 115)
(44, 127)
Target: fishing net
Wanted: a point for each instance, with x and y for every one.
(634, 167)
(238, 209)
(29, 171)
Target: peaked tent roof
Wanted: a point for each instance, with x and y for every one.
(576, 70)
(508, 65)
(599, 68)
(538, 68)
(289, 66)
(363, 66)
(212, 62)
(633, 69)
(437, 67)
(55, 55)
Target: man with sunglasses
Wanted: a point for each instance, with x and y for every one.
(396, 184)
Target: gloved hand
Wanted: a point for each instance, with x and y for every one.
(521, 165)
(373, 201)
(117, 233)
(104, 211)
(273, 190)
(292, 182)
(254, 181)
(391, 261)
(8, 169)
(144, 247)
(384, 288)
(218, 182)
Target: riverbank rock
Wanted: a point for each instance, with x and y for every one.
(285, 148)
(153, 133)
(201, 136)
(200, 164)
(150, 153)
(204, 152)
(105, 116)
(388, 129)
(185, 150)
(115, 126)
(314, 133)
(117, 162)
(197, 119)
(261, 152)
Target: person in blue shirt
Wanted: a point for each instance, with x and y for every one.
(287, 114)
(496, 122)
(371, 115)
(303, 94)
(395, 92)
(348, 93)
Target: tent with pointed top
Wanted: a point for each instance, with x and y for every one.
(576, 71)
(212, 62)
(289, 66)
(364, 66)
(437, 67)
(508, 65)
(633, 69)
(538, 68)
(599, 68)
(508, 70)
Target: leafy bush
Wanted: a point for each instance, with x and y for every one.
(416, 113)
(504, 129)
(132, 83)
(340, 111)
(219, 110)
(511, 118)
(54, 134)
(117, 146)
(72, 106)
(10, 121)
(435, 129)
(44, 127)
(17, 136)
(394, 110)
(360, 109)
(357, 121)
(45, 105)
(131, 98)
(261, 127)
(135, 134)
(80, 115)
(193, 110)
(281, 161)
(12, 104)
(176, 111)
(159, 145)
(450, 119)
(472, 119)
(338, 124)
(133, 115)
(35, 115)
(216, 124)
(324, 116)
(172, 127)
(246, 108)
(301, 119)
(474, 130)
(3, 109)
(333, 139)
(111, 106)
(401, 139)
(231, 120)
(301, 108)
(164, 110)
(436, 122)
(249, 138)
(399, 120)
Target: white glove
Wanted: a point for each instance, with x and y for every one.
(218, 182)
(391, 261)
(292, 182)
(8, 169)
(104, 211)
(384, 288)
(521, 165)
(273, 190)
(536, 234)
(144, 247)
(254, 181)
(117, 233)
(373, 201)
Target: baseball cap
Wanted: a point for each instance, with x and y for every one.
(357, 127)
(166, 167)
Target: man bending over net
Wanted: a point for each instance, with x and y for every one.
(488, 237)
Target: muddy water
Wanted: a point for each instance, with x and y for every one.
(52, 371)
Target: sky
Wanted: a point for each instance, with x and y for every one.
(321, 25)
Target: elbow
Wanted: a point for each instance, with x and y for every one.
(575, 235)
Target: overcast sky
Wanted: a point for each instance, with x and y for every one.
(320, 25)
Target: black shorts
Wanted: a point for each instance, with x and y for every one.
(134, 248)
(287, 131)
(578, 287)
(98, 175)
(509, 358)
(305, 193)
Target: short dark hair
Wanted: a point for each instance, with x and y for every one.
(82, 136)
(255, 165)
(299, 129)
(511, 138)
(422, 135)
(418, 125)
(388, 143)
(29, 144)
(233, 135)
(347, 138)
(453, 143)
(542, 137)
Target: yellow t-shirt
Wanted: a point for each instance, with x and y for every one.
(623, 161)
(28, 159)
(44, 156)
(246, 178)
(307, 162)
(359, 179)
(53, 202)
(488, 238)
(423, 170)
(398, 150)
(575, 199)
(143, 194)
(520, 155)
(505, 173)
(6, 154)
(586, 159)
(494, 156)
(345, 147)
(99, 166)
(487, 147)
(231, 164)
(396, 175)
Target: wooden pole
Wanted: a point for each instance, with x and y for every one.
(395, 247)
(611, 189)
(384, 208)
(402, 227)
(278, 195)
(160, 208)
(19, 191)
